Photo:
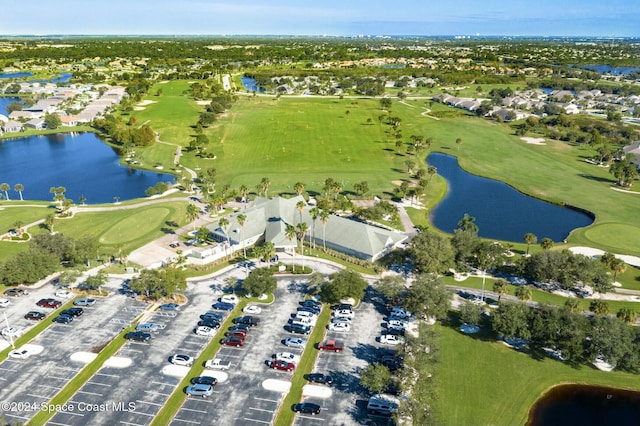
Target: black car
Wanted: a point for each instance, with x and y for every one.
(63, 319)
(72, 312)
(138, 336)
(212, 316)
(34, 315)
(241, 327)
(15, 292)
(299, 328)
(204, 380)
(392, 362)
(311, 303)
(247, 319)
(394, 331)
(307, 408)
(209, 323)
(223, 306)
(342, 307)
(323, 379)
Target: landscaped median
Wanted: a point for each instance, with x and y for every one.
(286, 415)
(178, 396)
(83, 376)
(36, 330)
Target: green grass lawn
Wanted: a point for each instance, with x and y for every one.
(483, 382)
(10, 215)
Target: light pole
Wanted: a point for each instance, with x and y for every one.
(9, 331)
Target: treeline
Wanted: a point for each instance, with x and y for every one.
(579, 85)
(45, 255)
(125, 134)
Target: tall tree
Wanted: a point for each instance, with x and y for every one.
(458, 143)
(244, 191)
(192, 213)
(300, 206)
(18, 187)
(546, 243)
(523, 293)
(301, 232)
(428, 297)
(299, 188)
(314, 212)
(375, 377)
(599, 307)
(530, 238)
(500, 288)
(242, 219)
(393, 287)
(224, 224)
(324, 218)
(432, 252)
(264, 186)
(291, 234)
(5, 187)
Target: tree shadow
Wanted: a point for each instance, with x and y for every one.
(597, 178)
(295, 287)
(388, 149)
(347, 382)
(366, 352)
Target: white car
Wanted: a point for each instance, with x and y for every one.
(12, 332)
(295, 342)
(230, 298)
(205, 331)
(20, 354)
(64, 294)
(252, 309)
(341, 319)
(288, 356)
(343, 313)
(395, 324)
(389, 339)
(4, 303)
(181, 359)
(339, 326)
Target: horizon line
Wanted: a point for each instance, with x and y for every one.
(465, 36)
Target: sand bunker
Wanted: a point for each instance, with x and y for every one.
(534, 141)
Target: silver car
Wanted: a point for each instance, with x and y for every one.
(200, 390)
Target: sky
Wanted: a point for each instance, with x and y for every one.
(606, 18)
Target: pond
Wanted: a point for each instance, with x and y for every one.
(586, 406)
(250, 85)
(82, 163)
(4, 103)
(501, 212)
(16, 75)
(608, 69)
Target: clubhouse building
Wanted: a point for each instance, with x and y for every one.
(267, 220)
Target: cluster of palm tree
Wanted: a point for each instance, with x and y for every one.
(5, 187)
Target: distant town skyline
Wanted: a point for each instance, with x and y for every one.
(590, 18)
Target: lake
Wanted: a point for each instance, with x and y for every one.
(4, 103)
(82, 163)
(586, 406)
(607, 69)
(16, 75)
(501, 212)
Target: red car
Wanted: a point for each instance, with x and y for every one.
(49, 303)
(237, 333)
(279, 364)
(232, 341)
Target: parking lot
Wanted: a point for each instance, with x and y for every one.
(242, 398)
(36, 379)
(348, 400)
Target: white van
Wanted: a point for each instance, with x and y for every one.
(382, 405)
(305, 314)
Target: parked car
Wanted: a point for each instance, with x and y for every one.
(404, 320)
(49, 303)
(170, 307)
(63, 294)
(240, 334)
(342, 306)
(281, 365)
(241, 327)
(394, 331)
(395, 324)
(35, 315)
(392, 362)
(63, 319)
(390, 339)
(12, 332)
(223, 306)
(295, 342)
(299, 329)
(252, 309)
(217, 364)
(204, 331)
(181, 359)
(247, 319)
(4, 303)
(230, 298)
(341, 319)
(323, 379)
(16, 292)
(85, 301)
(204, 380)
(147, 327)
(331, 345)
(212, 316)
(339, 326)
(20, 353)
(343, 313)
(311, 303)
(200, 390)
(399, 312)
(287, 356)
(73, 312)
(232, 341)
(311, 309)
(138, 336)
(307, 408)
(209, 323)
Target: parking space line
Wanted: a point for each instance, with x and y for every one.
(162, 384)
(150, 403)
(144, 414)
(132, 424)
(186, 421)
(38, 396)
(16, 416)
(191, 409)
(156, 393)
(59, 424)
(311, 418)
(107, 375)
(2, 378)
(58, 378)
(50, 387)
(72, 413)
(90, 393)
(265, 399)
(99, 384)
(7, 369)
(256, 420)
(260, 409)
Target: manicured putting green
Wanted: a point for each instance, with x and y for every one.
(135, 226)
(614, 235)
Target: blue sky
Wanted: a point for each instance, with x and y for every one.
(619, 18)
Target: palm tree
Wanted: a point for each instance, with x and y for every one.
(298, 187)
(530, 238)
(268, 251)
(301, 231)
(314, 213)
(599, 307)
(546, 243)
(116, 199)
(290, 233)
(627, 315)
(224, 223)
(500, 287)
(617, 265)
(242, 219)
(431, 170)
(53, 191)
(244, 191)
(49, 221)
(18, 187)
(192, 214)
(300, 206)
(458, 143)
(573, 305)
(5, 187)
(523, 293)
(324, 218)
(83, 200)
(18, 224)
(264, 185)
(203, 233)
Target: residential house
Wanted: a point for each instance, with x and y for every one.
(36, 123)
(12, 126)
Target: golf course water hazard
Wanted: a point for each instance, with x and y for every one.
(586, 406)
(501, 212)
